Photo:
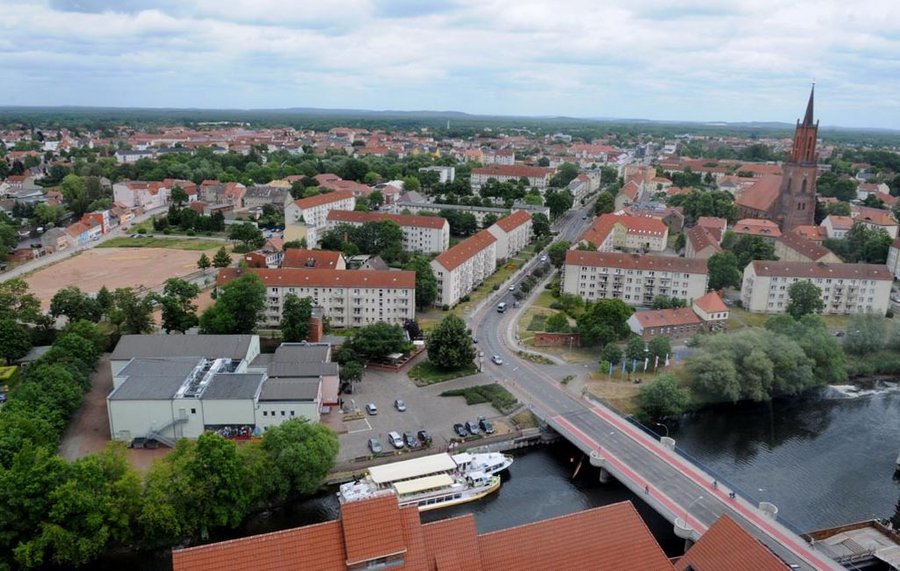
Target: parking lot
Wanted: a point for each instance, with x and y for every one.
(425, 410)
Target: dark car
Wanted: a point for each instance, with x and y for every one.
(375, 446)
(472, 427)
(410, 440)
(425, 437)
(486, 425)
(460, 430)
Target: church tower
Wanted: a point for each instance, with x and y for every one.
(796, 204)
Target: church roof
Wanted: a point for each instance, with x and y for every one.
(808, 119)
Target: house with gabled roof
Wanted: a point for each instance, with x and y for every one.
(464, 266)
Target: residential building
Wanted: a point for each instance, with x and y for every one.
(54, 239)
(307, 217)
(726, 545)
(464, 266)
(817, 234)
(348, 298)
(757, 227)
(445, 174)
(513, 233)
(700, 242)
(792, 247)
(707, 313)
(222, 193)
(420, 206)
(875, 218)
(313, 259)
(837, 226)
(893, 259)
(711, 309)
(269, 256)
(425, 234)
(846, 288)
(635, 279)
(610, 231)
(259, 195)
(146, 195)
(538, 177)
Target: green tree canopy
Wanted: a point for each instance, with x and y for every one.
(557, 323)
(303, 453)
(636, 349)
(132, 314)
(450, 345)
(221, 259)
(247, 234)
(540, 224)
(663, 398)
(612, 353)
(75, 304)
(239, 305)
(723, 270)
(295, 315)
(75, 194)
(426, 283)
(179, 312)
(204, 262)
(557, 252)
(559, 202)
(659, 346)
(377, 341)
(748, 248)
(605, 204)
(804, 297)
(604, 321)
(15, 340)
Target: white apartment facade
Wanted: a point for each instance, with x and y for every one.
(893, 259)
(538, 177)
(137, 194)
(512, 233)
(306, 217)
(425, 234)
(464, 266)
(349, 298)
(634, 279)
(846, 288)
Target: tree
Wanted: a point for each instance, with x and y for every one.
(221, 259)
(663, 398)
(105, 300)
(612, 354)
(302, 455)
(604, 321)
(838, 209)
(704, 203)
(714, 376)
(660, 346)
(866, 333)
(862, 244)
(247, 234)
(829, 184)
(426, 283)
(46, 214)
(450, 345)
(557, 252)
(635, 349)
(557, 323)
(488, 220)
(295, 315)
(748, 248)
(540, 224)
(75, 194)
(559, 202)
(239, 304)
(723, 270)
(351, 372)
(179, 196)
(17, 303)
(89, 331)
(605, 204)
(132, 314)
(15, 340)
(75, 304)
(804, 298)
(179, 312)
(376, 341)
(204, 263)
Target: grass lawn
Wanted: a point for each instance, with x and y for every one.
(425, 373)
(498, 396)
(154, 242)
(740, 318)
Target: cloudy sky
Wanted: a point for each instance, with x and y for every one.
(709, 60)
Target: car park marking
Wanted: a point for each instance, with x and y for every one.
(366, 420)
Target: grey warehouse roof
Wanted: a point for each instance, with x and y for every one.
(218, 346)
(153, 379)
(233, 386)
(289, 390)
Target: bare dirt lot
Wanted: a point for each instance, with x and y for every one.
(114, 268)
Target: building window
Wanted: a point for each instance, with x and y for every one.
(193, 411)
(282, 413)
(265, 413)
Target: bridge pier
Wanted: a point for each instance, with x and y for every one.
(769, 509)
(598, 460)
(667, 442)
(684, 530)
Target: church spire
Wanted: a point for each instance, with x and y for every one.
(808, 120)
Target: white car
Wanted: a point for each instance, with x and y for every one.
(372, 409)
(543, 258)
(497, 360)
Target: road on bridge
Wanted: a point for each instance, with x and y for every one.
(673, 485)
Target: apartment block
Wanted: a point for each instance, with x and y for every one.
(512, 232)
(635, 279)
(425, 234)
(464, 266)
(632, 232)
(846, 288)
(348, 298)
(306, 217)
(538, 177)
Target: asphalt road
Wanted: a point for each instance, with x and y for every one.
(677, 488)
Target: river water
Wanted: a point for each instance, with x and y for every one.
(823, 461)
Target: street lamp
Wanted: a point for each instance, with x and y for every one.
(664, 426)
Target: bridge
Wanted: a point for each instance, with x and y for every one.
(676, 487)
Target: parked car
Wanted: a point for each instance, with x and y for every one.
(472, 427)
(486, 425)
(396, 439)
(371, 408)
(410, 439)
(400, 405)
(375, 446)
(497, 360)
(425, 437)
(543, 258)
(512, 287)
(460, 430)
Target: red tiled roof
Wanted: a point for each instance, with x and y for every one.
(875, 216)
(302, 277)
(601, 227)
(400, 219)
(762, 194)
(702, 237)
(821, 270)
(513, 170)
(513, 221)
(711, 303)
(757, 227)
(716, 226)
(631, 188)
(609, 537)
(726, 546)
(372, 529)
(635, 261)
(455, 256)
(299, 258)
(325, 198)
(667, 317)
(807, 248)
(840, 222)
(812, 233)
(453, 543)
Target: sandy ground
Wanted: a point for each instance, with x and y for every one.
(114, 268)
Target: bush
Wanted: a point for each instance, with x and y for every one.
(465, 299)
(496, 287)
(191, 232)
(141, 230)
(167, 231)
(498, 396)
(445, 307)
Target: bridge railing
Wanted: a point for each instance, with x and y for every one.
(750, 497)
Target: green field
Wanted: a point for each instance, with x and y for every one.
(425, 373)
(154, 242)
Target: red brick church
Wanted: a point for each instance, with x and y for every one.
(792, 201)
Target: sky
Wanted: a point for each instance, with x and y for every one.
(690, 60)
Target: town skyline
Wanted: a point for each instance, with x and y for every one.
(698, 62)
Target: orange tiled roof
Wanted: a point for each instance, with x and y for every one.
(875, 216)
(702, 237)
(726, 546)
(326, 198)
(812, 233)
(455, 256)
(762, 194)
(514, 170)
(801, 245)
(636, 261)
(601, 227)
(667, 317)
(453, 543)
(757, 227)
(400, 219)
(302, 277)
(715, 225)
(299, 258)
(372, 529)
(711, 303)
(609, 537)
(513, 221)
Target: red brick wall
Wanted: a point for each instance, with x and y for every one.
(556, 339)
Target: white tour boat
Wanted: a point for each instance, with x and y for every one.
(432, 482)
